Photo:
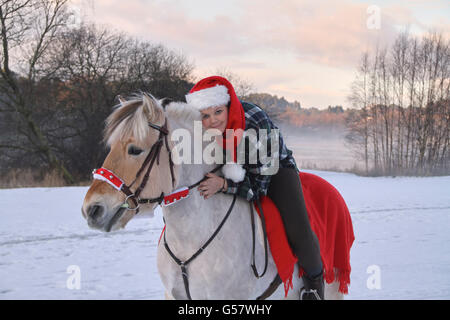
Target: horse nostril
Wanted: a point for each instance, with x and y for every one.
(94, 212)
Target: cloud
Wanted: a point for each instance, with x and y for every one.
(271, 42)
(326, 32)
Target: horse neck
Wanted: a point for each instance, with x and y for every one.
(191, 220)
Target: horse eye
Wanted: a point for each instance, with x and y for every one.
(134, 151)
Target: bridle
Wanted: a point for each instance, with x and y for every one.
(132, 200)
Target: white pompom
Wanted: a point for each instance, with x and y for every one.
(233, 171)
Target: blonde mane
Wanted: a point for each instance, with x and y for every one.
(131, 117)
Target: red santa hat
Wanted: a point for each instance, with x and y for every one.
(216, 91)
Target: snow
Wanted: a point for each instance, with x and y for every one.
(401, 227)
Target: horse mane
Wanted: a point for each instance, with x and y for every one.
(131, 117)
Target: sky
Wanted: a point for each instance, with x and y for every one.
(306, 51)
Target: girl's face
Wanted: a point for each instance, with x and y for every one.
(215, 117)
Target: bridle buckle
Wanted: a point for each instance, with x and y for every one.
(127, 206)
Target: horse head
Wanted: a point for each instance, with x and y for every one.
(135, 132)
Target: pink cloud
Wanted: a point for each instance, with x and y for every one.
(327, 32)
(269, 42)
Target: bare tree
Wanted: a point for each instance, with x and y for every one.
(405, 105)
(27, 29)
(95, 65)
(242, 86)
(358, 137)
(58, 83)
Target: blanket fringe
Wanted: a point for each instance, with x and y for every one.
(288, 285)
(341, 276)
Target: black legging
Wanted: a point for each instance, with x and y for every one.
(285, 190)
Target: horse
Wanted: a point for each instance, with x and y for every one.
(141, 156)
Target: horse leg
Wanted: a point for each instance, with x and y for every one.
(332, 291)
(168, 296)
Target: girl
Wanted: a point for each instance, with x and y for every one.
(221, 109)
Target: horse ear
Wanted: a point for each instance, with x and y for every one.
(121, 100)
(152, 108)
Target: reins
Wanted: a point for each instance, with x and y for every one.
(112, 179)
(266, 256)
(183, 264)
(151, 157)
(106, 175)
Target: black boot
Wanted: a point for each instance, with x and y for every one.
(313, 289)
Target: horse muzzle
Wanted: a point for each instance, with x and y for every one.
(99, 217)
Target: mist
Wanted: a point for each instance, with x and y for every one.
(320, 148)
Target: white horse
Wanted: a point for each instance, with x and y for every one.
(222, 270)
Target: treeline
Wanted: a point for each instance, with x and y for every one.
(58, 83)
(402, 125)
(330, 119)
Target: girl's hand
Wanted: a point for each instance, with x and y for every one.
(210, 186)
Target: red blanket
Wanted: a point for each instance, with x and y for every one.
(330, 220)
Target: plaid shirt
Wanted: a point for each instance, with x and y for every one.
(256, 183)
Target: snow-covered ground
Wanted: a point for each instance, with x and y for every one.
(401, 251)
